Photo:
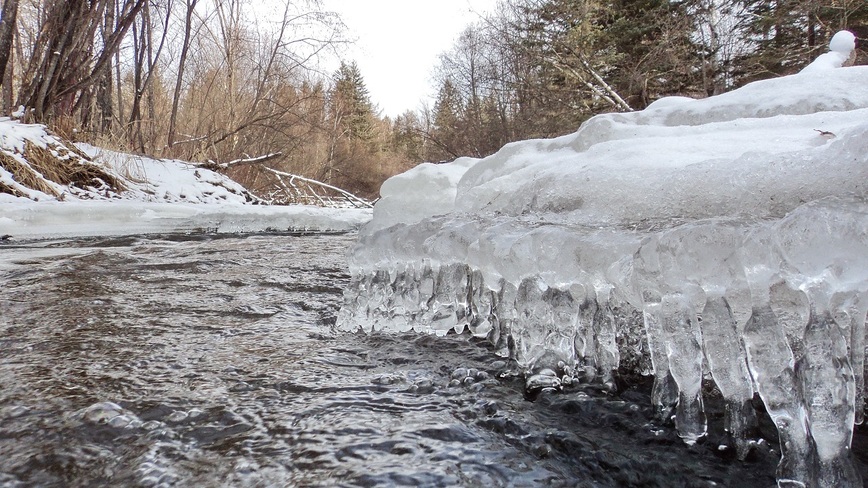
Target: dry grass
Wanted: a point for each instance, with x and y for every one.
(63, 164)
(24, 175)
(4, 188)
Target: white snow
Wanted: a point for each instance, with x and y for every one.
(41, 220)
(168, 180)
(161, 196)
(424, 191)
(748, 209)
(841, 47)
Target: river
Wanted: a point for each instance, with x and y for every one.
(210, 360)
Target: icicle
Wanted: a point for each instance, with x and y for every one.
(605, 330)
(563, 314)
(530, 323)
(683, 339)
(664, 392)
(829, 393)
(427, 280)
(772, 366)
(506, 313)
(727, 362)
(449, 305)
(379, 296)
(481, 306)
(584, 335)
(851, 320)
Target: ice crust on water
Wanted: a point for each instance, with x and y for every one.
(48, 220)
(720, 239)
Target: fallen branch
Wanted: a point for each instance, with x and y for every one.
(355, 200)
(214, 166)
(190, 140)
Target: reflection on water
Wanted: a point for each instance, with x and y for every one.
(205, 361)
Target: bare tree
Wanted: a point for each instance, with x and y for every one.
(182, 62)
(145, 60)
(65, 59)
(8, 16)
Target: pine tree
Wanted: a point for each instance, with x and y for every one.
(446, 136)
(351, 103)
(656, 55)
(353, 159)
(786, 35)
(407, 140)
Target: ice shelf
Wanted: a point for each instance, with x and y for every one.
(722, 239)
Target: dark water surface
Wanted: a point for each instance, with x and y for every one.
(211, 361)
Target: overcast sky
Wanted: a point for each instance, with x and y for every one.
(399, 41)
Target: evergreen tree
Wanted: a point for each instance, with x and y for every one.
(407, 138)
(656, 55)
(445, 135)
(354, 158)
(351, 106)
(786, 35)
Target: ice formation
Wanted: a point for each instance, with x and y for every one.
(722, 239)
(842, 49)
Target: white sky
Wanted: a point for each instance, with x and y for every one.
(399, 41)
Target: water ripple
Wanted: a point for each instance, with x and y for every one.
(201, 361)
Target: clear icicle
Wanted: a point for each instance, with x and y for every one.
(772, 366)
(851, 320)
(605, 329)
(584, 337)
(530, 323)
(683, 339)
(727, 362)
(563, 313)
(828, 388)
(664, 392)
(481, 306)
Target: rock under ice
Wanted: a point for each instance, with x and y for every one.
(722, 239)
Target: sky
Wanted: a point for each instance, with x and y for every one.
(398, 43)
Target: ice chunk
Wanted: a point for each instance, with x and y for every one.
(722, 235)
(424, 191)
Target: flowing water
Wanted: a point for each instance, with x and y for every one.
(205, 360)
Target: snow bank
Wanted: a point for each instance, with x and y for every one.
(159, 196)
(723, 236)
(168, 180)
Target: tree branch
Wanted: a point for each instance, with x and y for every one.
(214, 166)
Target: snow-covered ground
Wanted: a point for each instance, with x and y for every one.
(159, 196)
(735, 226)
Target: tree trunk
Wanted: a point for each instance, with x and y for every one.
(63, 63)
(105, 107)
(7, 36)
(176, 95)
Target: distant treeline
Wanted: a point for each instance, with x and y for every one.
(239, 80)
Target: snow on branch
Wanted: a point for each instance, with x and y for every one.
(604, 90)
(213, 165)
(611, 91)
(292, 187)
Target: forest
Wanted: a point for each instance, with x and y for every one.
(239, 85)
